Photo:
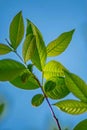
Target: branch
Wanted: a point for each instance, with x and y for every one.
(51, 109)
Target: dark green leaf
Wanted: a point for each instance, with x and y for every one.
(59, 45)
(25, 81)
(81, 126)
(53, 68)
(10, 69)
(72, 106)
(4, 49)
(1, 108)
(59, 90)
(39, 57)
(76, 85)
(30, 67)
(29, 47)
(49, 86)
(16, 30)
(37, 100)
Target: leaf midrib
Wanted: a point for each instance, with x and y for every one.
(48, 50)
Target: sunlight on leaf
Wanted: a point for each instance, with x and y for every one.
(16, 31)
(29, 47)
(53, 68)
(72, 106)
(76, 85)
(59, 45)
(39, 57)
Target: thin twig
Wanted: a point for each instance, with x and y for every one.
(19, 56)
(15, 51)
(48, 102)
(52, 111)
(7, 42)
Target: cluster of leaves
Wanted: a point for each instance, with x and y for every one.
(59, 81)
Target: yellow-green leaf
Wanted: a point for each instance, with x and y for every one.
(59, 45)
(37, 100)
(16, 31)
(29, 47)
(4, 49)
(72, 106)
(10, 69)
(76, 85)
(39, 57)
(53, 68)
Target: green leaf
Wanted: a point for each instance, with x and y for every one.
(29, 47)
(16, 31)
(49, 85)
(81, 125)
(37, 100)
(59, 90)
(30, 67)
(72, 106)
(53, 68)
(10, 69)
(1, 108)
(39, 57)
(25, 81)
(76, 85)
(4, 49)
(59, 45)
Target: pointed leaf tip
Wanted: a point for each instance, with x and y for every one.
(72, 106)
(59, 45)
(4, 49)
(16, 30)
(40, 54)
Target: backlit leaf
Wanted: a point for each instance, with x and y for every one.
(37, 100)
(39, 57)
(10, 69)
(29, 47)
(59, 91)
(72, 106)
(76, 85)
(59, 45)
(53, 68)
(4, 49)
(16, 30)
(81, 125)
(25, 81)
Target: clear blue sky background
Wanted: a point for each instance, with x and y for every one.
(52, 17)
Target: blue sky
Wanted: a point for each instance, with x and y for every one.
(52, 17)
